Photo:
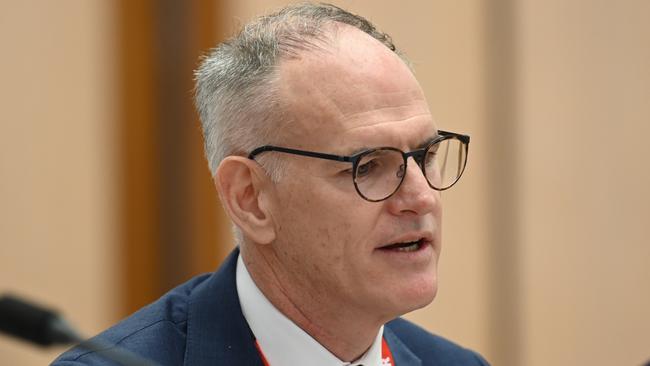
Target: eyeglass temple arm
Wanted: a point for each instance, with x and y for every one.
(266, 148)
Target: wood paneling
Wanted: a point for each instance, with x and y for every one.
(171, 224)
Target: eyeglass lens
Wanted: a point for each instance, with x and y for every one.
(379, 173)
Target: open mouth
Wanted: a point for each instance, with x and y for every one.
(410, 246)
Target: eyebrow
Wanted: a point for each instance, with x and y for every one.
(428, 141)
(420, 146)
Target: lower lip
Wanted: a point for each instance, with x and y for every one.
(422, 253)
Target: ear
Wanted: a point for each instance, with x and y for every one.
(242, 186)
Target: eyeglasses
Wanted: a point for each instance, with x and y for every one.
(379, 172)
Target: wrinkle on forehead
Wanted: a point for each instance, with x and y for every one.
(391, 121)
(390, 102)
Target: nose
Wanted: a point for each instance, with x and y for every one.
(414, 196)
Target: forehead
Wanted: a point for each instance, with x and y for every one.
(353, 92)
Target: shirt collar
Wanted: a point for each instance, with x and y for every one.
(281, 340)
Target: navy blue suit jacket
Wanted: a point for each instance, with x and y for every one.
(201, 323)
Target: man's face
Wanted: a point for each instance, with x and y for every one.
(332, 245)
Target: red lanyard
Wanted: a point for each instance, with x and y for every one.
(386, 355)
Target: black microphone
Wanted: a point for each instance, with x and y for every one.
(46, 327)
(33, 323)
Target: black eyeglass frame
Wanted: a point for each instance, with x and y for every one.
(418, 156)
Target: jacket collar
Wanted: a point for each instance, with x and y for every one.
(402, 355)
(216, 329)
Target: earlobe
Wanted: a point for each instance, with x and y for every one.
(242, 191)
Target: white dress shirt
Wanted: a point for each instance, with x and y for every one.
(283, 342)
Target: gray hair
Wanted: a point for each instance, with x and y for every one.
(236, 83)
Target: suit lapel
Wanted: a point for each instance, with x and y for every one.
(217, 333)
(402, 355)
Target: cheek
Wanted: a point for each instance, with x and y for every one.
(314, 222)
(322, 221)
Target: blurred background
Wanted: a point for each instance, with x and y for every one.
(106, 201)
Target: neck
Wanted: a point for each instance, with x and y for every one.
(346, 333)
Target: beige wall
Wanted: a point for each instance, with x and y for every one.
(56, 164)
(584, 108)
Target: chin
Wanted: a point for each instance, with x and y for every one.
(423, 296)
(414, 296)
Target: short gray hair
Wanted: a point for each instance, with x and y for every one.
(236, 83)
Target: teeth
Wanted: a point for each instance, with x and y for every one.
(404, 247)
(411, 248)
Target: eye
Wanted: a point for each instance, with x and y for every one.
(366, 168)
(430, 156)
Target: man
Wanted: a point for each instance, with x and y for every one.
(327, 160)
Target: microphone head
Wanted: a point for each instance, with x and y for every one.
(28, 321)
(45, 327)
